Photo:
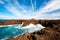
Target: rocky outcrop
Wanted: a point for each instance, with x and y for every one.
(10, 22)
(27, 22)
(45, 23)
(51, 32)
(45, 34)
(49, 23)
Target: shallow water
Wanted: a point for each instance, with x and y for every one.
(15, 30)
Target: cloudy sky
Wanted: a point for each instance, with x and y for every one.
(27, 9)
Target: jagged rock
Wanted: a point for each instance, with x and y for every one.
(44, 34)
(51, 32)
(33, 21)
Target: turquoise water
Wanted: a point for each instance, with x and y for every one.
(7, 32)
(16, 30)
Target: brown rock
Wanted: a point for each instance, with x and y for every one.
(33, 21)
(45, 34)
(51, 32)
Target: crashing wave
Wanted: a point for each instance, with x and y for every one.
(32, 28)
(17, 29)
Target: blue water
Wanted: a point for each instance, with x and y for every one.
(16, 30)
(7, 32)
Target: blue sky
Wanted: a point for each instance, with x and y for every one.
(27, 9)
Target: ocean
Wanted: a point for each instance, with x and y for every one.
(10, 31)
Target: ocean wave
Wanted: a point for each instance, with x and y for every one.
(9, 31)
(32, 28)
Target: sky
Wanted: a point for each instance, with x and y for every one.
(28, 9)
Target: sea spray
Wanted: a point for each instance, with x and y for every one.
(9, 31)
(32, 28)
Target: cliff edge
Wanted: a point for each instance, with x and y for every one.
(51, 32)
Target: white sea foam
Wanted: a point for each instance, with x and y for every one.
(10, 25)
(3, 39)
(32, 28)
(5, 25)
(27, 29)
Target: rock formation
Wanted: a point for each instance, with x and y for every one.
(45, 23)
(51, 32)
(33, 21)
(45, 34)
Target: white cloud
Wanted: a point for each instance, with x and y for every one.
(32, 4)
(28, 14)
(14, 11)
(6, 17)
(1, 2)
(51, 6)
(18, 5)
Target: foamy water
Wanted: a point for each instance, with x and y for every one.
(8, 31)
(32, 28)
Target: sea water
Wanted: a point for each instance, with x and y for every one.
(10, 31)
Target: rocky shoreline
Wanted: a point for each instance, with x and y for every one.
(51, 32)
(45, 34)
